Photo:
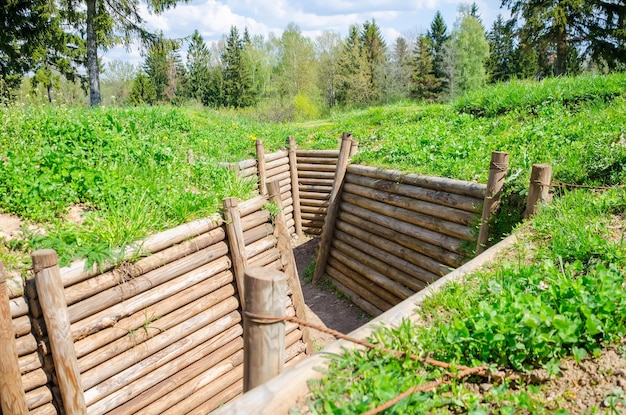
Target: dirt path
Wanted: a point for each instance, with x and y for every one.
(324, 304)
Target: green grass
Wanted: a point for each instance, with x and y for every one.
(563, 298)
(141, 170)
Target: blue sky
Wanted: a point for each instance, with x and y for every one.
(214, 18)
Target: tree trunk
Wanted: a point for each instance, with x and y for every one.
(561, 52)
(92, 55)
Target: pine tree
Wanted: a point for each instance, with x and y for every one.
(402, 68)
(438, 35)
(199, 69)
(237, 82)
(142, 91)
(502, 50)
(353, 77)
(425, 84)
(374, 51)
(163, 67)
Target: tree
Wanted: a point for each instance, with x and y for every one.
(472, 52)
(237, 82)
(374, 52)
(425, 83)
(353, 78)
(402, 68)
(438, 34)
(296, 63)
(143, 91)
(502, 50)
(328, 50)
(559, 28)
(199, 68)
(164, 68)
(117, 81)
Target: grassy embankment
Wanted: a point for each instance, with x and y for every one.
(139, 170)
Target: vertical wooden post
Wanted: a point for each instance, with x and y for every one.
(237, 248)
(289, 262)
(354, 148)
(260, 159)
(56, 316)
(333, 207)
(263, 342)
(497, 172)
(539, 188)
(295, 187)
(12, 396)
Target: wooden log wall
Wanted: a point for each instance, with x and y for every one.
(396, 233)
(159, 335)
(316, 172)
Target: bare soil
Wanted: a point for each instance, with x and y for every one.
(325, 306)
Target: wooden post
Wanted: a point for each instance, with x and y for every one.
(289, 263)
(497, 172)
(12, 396)
(236, 245)
(295, 187)
(539, 188)
(260, 159)
(333, 207)
(354, 148)
(264, 343)
(56, 316)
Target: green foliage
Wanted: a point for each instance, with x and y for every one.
(143, 91)
(567, 299)
(425, 84)
(472, 52)
(237, 81)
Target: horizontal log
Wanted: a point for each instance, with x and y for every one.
(357, 284)
(304, 181)
(25, 345)
(294, 350)
(21, 325)
(275, 171)
(317, 153)
(212, 396)
(170, 304)
(289, 221)
(261, 245)
(111, 315)
(313, 223)
(446, 213)
(278, 155)
(465, 204)
(318, 160)
(288, 210)
(18, 307)
(420, 266)
(105, 394)
(35, 379)
(30, 362)
(15, 286)
(79, 271)
(286, 198)
(424, 221)
(283, 178)
(138, 330)
(316, 167)
(296, 360)
(47, 409)
(314, 195)
(472, 189)
(123, 273)
(314, 209)
(315, 188)
(357, 299)
(187, 381)
(249, 172)
(291, 338)
(277, 265)
(264, 258)
(291, 230)
(370, 269)
(285, 188)
(130, 288)
(255, 219)
(313, 231)
(252, 205)
(314, 216)
(313, 202)
(363, 253)
(426, 235)
(244, 164)
(330, 175)
(260, 232)
(402, 233)
(38, 397)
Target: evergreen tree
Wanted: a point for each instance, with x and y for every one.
(374, 52)
(143, 91)
(164, 68)
(353, 78)
(199, 69)
(237, 82)
(438, 34)
(425, 84)
(402, 68)
(502, 50)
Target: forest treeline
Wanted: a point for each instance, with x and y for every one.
(293, 76)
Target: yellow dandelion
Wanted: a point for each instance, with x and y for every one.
(253, 138)
(165, 137)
